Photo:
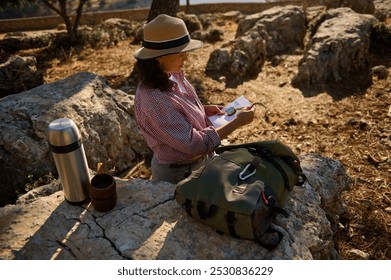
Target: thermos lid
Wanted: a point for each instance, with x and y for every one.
(63, 132)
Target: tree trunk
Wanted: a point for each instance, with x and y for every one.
(79, 12)
(305, 5)
(62, 11)
(67, 20)
(168, 7)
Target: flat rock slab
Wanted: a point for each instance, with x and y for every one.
(147, 223)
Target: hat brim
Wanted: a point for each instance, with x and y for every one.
(145, 53)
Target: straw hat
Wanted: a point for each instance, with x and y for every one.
(166, 35)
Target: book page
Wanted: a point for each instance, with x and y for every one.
(220, 120)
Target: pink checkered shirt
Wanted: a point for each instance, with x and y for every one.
(174, 123)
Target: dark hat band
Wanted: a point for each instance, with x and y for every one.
(167, 45)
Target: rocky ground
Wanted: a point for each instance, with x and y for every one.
(348, 121)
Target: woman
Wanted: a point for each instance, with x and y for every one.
(167, 108)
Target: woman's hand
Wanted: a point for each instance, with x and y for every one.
(212, 110)
(245, 116)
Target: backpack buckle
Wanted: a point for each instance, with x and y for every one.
(242, 175)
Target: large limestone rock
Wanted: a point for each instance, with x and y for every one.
(15, 41)
(192, 21)
(147, 223)
(104, 117)
(110, 32)
(259, 37)
(339, 48)
(18, 74)
(382, 9)
(277, 24)
(359, 6)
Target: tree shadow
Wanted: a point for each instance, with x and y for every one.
(79, 232)
(57, 238)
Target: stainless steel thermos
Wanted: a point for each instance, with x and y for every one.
(71, 163)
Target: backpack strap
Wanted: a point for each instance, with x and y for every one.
(231, 224)
(204, 212)
(268, 155)
(271, 202)
(264, 150)
(187, 206)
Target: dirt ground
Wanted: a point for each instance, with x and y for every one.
(349, 122)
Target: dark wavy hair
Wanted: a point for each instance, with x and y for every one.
(152, 75)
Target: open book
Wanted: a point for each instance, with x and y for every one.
(219, 120)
